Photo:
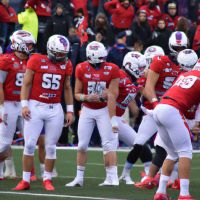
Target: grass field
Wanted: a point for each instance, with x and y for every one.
(94, 175)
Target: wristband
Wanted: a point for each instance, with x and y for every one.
(114, 122)
(154, 100)
(82, 97)
(70, 108)
(24, 103)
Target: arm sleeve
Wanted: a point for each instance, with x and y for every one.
(32, 63)
(156, 65)
(79, 72)
(69, 68)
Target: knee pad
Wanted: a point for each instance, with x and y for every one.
(4, 151)
(110, 146)
(50, 152)
(29, 148)
(146, 155)
(159, 157)
(134, 154)
(185, 154)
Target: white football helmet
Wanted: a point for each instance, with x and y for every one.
(58, 47)
(152, 51)
(187, 58)
(178, 41)
(22, 41)
(134, 63)
(96, 52)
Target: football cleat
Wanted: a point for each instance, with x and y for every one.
(176, 184)
(10, 175)
(110, 181)
(186, 197)
(160, 196)
(22, 185)
(48, 185)
(77, 182)
(148, 183)
(127, 179)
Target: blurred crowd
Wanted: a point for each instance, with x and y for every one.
(121, 25)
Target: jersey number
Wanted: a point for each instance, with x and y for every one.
(96, 87)
(51, 81)
(19, 79)
(185, 82)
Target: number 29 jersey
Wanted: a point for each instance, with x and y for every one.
(96, 80)
(48, 78)
(15, 69)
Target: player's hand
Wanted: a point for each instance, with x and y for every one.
(26, 113)
(69, 119)
(196, 130)
(114, 123)
(93, 98)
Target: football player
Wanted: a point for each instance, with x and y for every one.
(12, 69)
(45, 78)
(94, 78)
(169, 116)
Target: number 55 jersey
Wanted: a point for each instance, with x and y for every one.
(48, 79)
(12, 70)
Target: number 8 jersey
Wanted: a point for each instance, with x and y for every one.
(48, 79)
(13, 69)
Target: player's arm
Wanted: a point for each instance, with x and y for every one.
(149, 90)
(134, 109)
(3, 75)
(68, 102)
(112, 95)
(25, 91)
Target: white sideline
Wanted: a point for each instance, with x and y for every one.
(121, 149)
(56, 195)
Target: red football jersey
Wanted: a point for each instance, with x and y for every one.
(96, 80)
(15, 69)
(127, 92)
(168, 72)
(48, 79)
(185, 92)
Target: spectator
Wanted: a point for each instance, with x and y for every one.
(171, 17)
(59, 23)
(122, 13)
(140, 30)
(66, 4)
(153, 12)
(138, 46)
(8, 18)
(102, 26)
(119, 50)
(183, 25)
(29, 20)
(161, 36)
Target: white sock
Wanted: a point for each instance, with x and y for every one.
(47, 175)
(112, 171)
(174, 174)
(26, 176)
(42, 169)
(147, 167)
(184, 185)
(10, 167)
(80, 171)
(163, 184)
(1, 169)
(127, 168)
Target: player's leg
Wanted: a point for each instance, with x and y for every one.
(146, 130)
(109, 145)
(41, 151)
(32, 129)
(85, 128)
(53, 125)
